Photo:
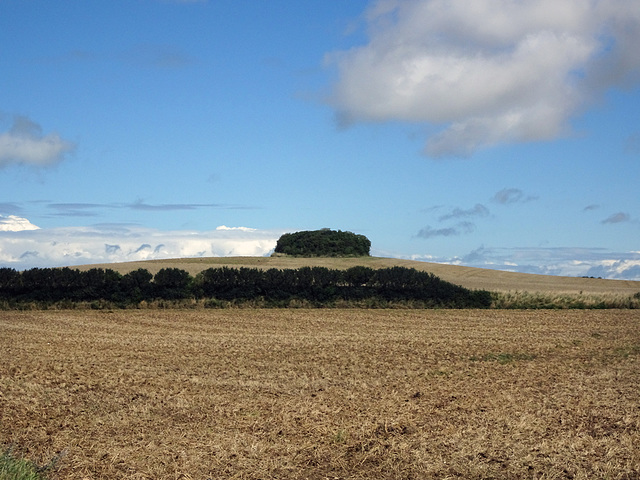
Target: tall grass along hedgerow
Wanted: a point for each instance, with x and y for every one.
(544, 300)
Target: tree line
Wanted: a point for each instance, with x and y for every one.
(317, 286)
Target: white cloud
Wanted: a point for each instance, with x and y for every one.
(624, 269)
(487, 71)
(243, 229)
(120, 243)
(570, 262)
(24, 143)
(12, 223)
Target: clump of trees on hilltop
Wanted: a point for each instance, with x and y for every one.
(323, 243)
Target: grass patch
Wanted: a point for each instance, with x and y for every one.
(14, 468)
(628, 351)
(562, 301)
(340, 437)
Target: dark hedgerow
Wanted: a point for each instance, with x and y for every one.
(65, 288)
(322, 286)
(314, 286)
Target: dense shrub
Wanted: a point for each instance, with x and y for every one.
(137, 285)
(323, 243)
(172, 284)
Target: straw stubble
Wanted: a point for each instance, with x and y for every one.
(317, 394)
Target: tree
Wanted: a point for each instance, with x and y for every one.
(10, 281)
(172, 284)
(137, 286)
(323, 243)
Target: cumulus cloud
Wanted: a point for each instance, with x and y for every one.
(109, 243)
(13, 223)
(487, 71)
(621, 269)
(24, 143)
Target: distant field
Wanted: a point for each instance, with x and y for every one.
(323, 394)
(474, 278)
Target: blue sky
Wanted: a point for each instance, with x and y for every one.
(498, 134)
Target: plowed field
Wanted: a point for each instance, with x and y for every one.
(336, 394)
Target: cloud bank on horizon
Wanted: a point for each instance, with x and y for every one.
(24, 245)
(486, 72)
(563, 261)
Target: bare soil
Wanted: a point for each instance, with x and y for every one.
(324, 394)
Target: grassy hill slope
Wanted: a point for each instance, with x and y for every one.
(469, 277)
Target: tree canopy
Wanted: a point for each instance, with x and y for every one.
(323, 243)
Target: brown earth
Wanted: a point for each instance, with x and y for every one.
(469, 277)
(323, 394)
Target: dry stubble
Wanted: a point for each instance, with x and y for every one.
(324, 393)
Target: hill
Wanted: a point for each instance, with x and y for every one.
(469, 277)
